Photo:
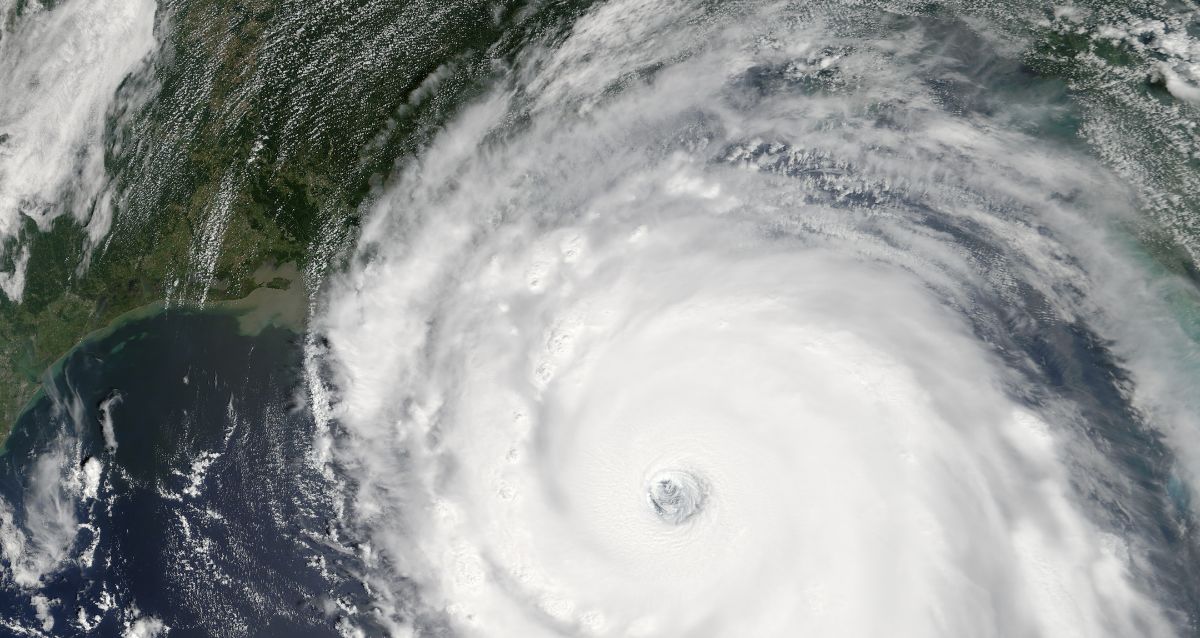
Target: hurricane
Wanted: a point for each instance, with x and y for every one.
(600, 318)
(762, 319)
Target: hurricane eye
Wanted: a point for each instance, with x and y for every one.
(675, 496)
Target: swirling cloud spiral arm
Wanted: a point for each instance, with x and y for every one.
(718, 352)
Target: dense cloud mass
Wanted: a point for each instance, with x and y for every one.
(727, 320)
(645, 318)
(61, 70)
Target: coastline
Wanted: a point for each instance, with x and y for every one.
(280, 301)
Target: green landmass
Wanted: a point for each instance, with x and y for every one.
(293, 111)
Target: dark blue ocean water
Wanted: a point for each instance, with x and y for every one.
(209, 515)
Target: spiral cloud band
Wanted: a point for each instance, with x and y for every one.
(720, 321)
